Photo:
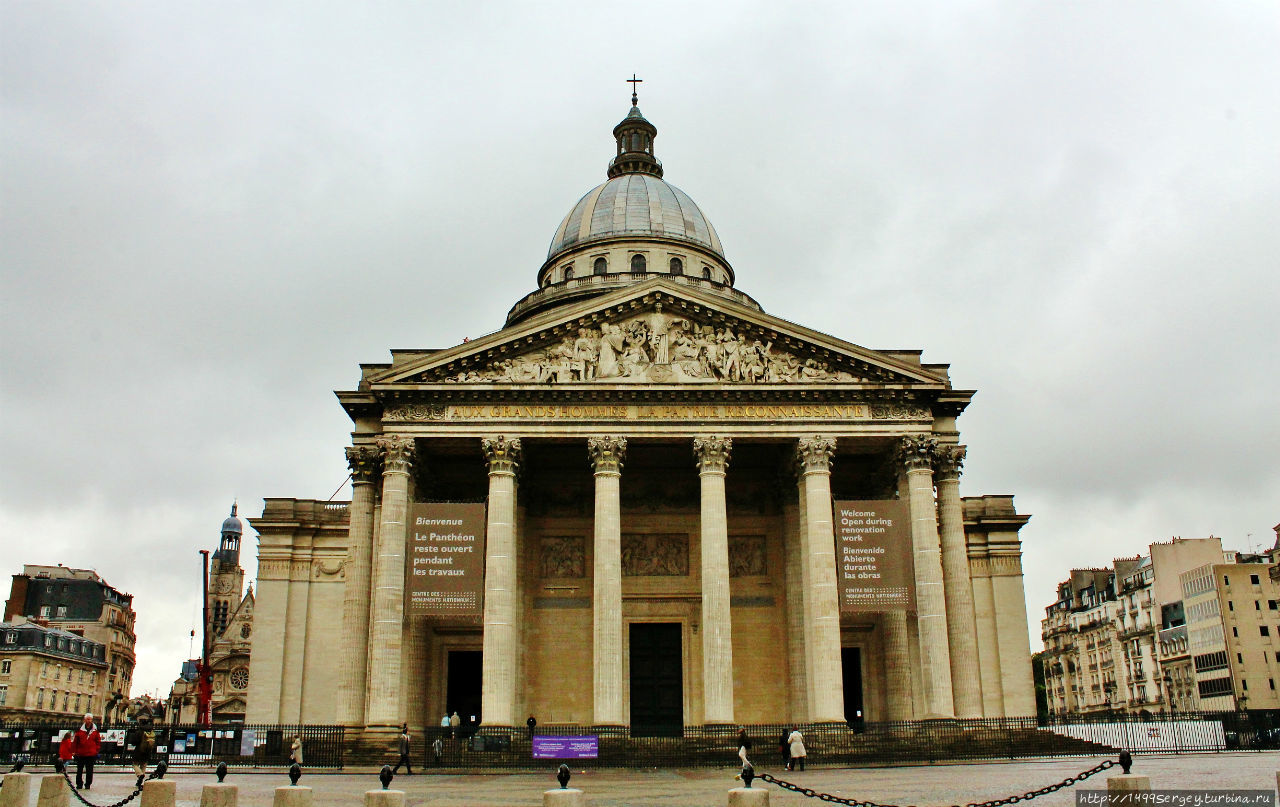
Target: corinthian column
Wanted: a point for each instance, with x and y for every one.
(916, 452)
(498, 678)
(822, 630)
(388, 585)
(897, 665)
(606, 459)
(364, 461)
(962, 633)
(712, 455)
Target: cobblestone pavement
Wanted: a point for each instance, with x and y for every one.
(919, 785)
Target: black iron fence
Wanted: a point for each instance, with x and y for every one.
(239, 744)
(827, 744)
(865, 743)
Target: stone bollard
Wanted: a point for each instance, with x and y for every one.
(748, 797)
(384, 798)
(219, 795)
(159, 793)
(564, 797)
(53, 792)
(292, 796)
(16, 791)
(1128, 783)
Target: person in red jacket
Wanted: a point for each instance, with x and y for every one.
(85, 748)
(67, 746)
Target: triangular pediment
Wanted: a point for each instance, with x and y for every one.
(657, 332)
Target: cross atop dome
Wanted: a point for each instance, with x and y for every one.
(633, 81)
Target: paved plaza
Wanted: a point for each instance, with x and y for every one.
(918, 785)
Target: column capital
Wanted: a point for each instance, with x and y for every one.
(813, 454)
(948, 461)
(397, 453)
(712, 453)
(607, 453)
(502, 453)
(916, 451)
(364, 462)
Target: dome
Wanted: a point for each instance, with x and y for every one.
(634, 205)
(232, 523)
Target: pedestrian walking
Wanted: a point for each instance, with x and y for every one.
(404, 751)
(141, 741)
(784, 748)
(796, 743)
(87, 744)
(744, 745)
(67, 747)
(295, 750)
(437, 748)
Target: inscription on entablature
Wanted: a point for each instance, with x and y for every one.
(651, 412)
(655, 555)
(746, 556)
(562, 556)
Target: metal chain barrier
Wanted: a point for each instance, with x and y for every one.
(1030, 794)
(62, 769)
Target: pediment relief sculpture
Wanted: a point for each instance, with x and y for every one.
(656, 347)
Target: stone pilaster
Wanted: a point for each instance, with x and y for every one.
(962, 632)
(387, 629)
(822, 628)
(607, 453)
(364, 460)
(712, 455)
(916, 453)
(501, 644)
(897, 665)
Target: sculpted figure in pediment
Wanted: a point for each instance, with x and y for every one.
(657, 347)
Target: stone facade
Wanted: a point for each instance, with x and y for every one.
(659, 457)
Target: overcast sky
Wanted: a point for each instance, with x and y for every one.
(213, 212)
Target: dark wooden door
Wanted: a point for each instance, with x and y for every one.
(462, 693)
(851, 660)
(657, 680)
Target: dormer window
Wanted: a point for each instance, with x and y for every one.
(568, 272)
(600, 267)
(677, 266)
(637, 264)
(706, 273)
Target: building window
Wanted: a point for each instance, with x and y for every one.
(1264, 630)
(57, 673)
(637, 263)
(5, 667)
(62, 612)
(677, 266)
(93, 679)
(706, 273)
(4, 693)
(39, 698)
(568, 273)
(600, 267)
(1253, 578)
(66, 701)
(1231, 606)
(11, 637)
(1235, 633)
(77, 707)
(46, 611)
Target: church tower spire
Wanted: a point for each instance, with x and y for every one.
(635, 137)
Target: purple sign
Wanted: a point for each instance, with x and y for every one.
(585, 746)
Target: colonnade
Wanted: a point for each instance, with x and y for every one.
(369, 686)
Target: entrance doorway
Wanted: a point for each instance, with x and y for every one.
(657, 680)
(851, 661)
(462, 688)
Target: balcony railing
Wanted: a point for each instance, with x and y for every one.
(590, 284)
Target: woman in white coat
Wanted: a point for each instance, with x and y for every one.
(796, 741)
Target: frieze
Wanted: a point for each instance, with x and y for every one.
(664, 412)
(656, 347)
(563, 556)
(655, 555)
(334, 568)
(746, 556)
